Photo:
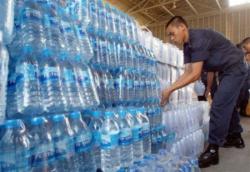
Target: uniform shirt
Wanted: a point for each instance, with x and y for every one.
(217, 52)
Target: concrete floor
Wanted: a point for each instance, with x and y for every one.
(232, 159)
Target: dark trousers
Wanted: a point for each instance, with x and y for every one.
(224, 117)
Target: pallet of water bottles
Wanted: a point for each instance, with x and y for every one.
(164, 52)
(126, 86)
(48, 71)
(167, 75)
(190, 124)
(112, 140)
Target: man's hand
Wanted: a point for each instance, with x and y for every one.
(165, 96)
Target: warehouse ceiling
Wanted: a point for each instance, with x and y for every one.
(150, 12)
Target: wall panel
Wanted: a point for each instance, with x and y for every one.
(235, 25)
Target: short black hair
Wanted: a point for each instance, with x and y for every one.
(176, 20)
(245, 41)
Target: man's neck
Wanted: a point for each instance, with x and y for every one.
(186, 39)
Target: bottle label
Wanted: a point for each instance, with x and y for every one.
(109, 141)
(148, 83)
(97, 137)
(32, 14)
(145, 130)
(68, 76)
(64, 148)
(110, 83)
(117, 83)
(67, 27)
(86, 79)
(123, 84)
(137, 83)
(42, 154)
(136, 131)
(12, 81)
(129, 84)
(125, 137)
(53, 22)
(26, 72)
(49, 74)
(83, 142)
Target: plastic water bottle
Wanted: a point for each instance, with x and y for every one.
(85, 19)
(42, 148)
(137, 139)
(129, 28)
(4, 61)
(83, 143)
(109, 88)
(123, 56)
(51, 85)
(55, 39)
(84, 43)
(110, 22)
(32, 29)
(98, 84)
(145, 131)
(95, 126)
(119, 84)
(84, 81)
(77, 11)
(125, 140)
(63, 143)
(25, 83)
(7, 20)
(128, 87)
(69, 86)
(117, 23)
(93, 13)
(102, 18)
(110, 152)
(15, 146)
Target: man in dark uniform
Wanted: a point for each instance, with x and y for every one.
(211, 51)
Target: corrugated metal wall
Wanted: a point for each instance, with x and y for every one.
(234, 25)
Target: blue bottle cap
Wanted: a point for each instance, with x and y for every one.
(109, 113)
(142, 110)
(122, 113)
(13, 124)
(38, 121)
(86, 112)
(132, 111)
(58, 118)
(75, 115)
(96, 113)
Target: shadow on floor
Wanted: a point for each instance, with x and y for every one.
(232, 159)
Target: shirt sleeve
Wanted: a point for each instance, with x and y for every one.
(187, 57)
(199, 50)
(199, 55)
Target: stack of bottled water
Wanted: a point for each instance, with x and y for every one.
(55, 143)
(124, 71)
(49, 56)
(188, 141)
(185, 121)
(65, 143)
(113, 79)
